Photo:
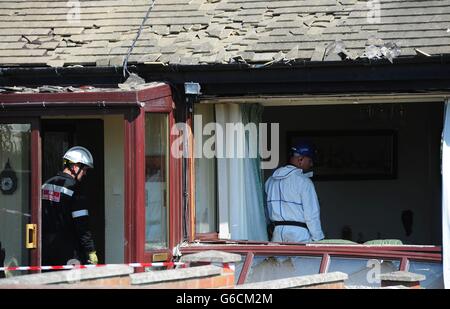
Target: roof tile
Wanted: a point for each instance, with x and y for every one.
(212, 31)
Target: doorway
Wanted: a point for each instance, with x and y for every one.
(58, 135)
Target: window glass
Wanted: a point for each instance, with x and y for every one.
(156, 185)
(271, 268)
(362, 272)
(205, 175)
(15, 210)
(238, 268)
(432, 271)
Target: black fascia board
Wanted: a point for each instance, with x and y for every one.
(415, 74)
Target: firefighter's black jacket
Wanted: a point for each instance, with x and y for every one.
(65, 225)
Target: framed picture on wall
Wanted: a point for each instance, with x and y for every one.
(352, 155)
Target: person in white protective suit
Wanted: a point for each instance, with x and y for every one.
(292, 203)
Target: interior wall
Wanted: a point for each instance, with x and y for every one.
(114, 189)
(372, 208)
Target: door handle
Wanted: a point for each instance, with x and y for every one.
(31, 236)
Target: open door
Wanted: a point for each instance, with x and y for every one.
(58, 135)
(19, 193)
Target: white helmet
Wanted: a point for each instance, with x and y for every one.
(81, 155)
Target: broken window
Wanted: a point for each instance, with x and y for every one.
(402, 208)
(363, 272)
(278, 267)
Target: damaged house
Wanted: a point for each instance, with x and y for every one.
(367, 81)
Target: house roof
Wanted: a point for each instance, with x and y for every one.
(191, 32)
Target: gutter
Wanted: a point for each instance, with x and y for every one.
(102, 104)
(407, 74)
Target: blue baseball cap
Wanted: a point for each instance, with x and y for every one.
(304, 148)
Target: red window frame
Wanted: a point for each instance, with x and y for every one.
(132, 105)
(135, 180)
(404, 253)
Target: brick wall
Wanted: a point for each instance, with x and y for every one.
(222, 281)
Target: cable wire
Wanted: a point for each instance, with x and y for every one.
(130, 50)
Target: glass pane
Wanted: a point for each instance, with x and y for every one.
(15, 210)
(156, 186)
(205, 177)
(238, 268)
(362, 272)
(271, 268)
(432, 271)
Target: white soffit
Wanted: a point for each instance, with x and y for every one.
(330, 99)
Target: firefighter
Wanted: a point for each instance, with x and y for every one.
(292, 201)
(66, 237)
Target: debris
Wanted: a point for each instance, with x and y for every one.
(274, 58)
(421, 53)
(55, 63)
(338, 48)
(132, 82)
(150, 58)
(319, 52)
(51, 89)
(389, 50)
(293, 53)
(279, 57)
(71, 89)
(372, 52)
(237, 59)
(8, 89)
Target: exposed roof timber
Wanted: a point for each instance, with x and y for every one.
(331, 99)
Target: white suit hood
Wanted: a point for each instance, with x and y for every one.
(288, 171)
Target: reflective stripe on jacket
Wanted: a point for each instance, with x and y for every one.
(65, 227)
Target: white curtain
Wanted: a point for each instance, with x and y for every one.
(256, 220)
(230, 177)
(446, 196)
(241, 212)
(205, 175)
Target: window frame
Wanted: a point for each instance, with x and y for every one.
(131, 104)
(135, 185)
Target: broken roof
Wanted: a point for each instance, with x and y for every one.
(192, 32)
